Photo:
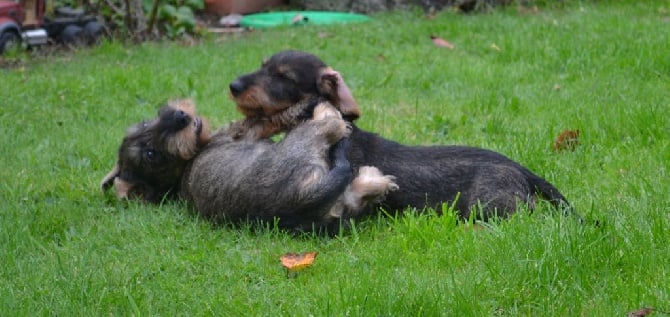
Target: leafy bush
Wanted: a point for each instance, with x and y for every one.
(177, 18)
(147, 19)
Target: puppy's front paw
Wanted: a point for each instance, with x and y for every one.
(325, 110)
(333, 129)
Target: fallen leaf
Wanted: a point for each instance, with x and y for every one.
(641, 313)
(298, 261)
(440, 42)
(567, 140)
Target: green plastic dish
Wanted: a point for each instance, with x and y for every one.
(272, 19)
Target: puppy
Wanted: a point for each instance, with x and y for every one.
(281, 94)
(153, 154)
(304, 181)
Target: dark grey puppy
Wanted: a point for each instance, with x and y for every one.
(282, 93)
(304, 181)
(153, 154)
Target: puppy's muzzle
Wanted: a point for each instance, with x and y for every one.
(198, 126)
(236, 88)
(181, 119)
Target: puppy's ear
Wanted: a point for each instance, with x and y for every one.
(332, 85)
(108, 180)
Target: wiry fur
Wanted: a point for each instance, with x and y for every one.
(153, 154)
(426, 175)
(304, 181)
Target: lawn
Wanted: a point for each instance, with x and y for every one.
(514, 81)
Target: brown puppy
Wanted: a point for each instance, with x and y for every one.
(304, 181)
(284, 90)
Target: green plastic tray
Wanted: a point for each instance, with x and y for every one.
(271, 19)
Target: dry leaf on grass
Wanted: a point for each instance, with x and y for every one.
(298, 261)
(440, 42)
(641, 312)
(567, 140)
(646, 311)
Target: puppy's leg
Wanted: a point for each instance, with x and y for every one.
(370, 186)
(325, 110)
(252, 129)
(326, 191)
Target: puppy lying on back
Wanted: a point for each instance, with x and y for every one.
(280, 95)
(153, 154)
(304, 181)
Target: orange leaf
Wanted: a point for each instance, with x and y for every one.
(567, 140)
(441, 42)
(298, 261)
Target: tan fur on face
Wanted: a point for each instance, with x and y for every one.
(187, 141)
(122, 188)
(271, 118)
(255, 102)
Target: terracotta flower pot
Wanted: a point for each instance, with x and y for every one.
(225, 7)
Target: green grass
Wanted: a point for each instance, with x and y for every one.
(66, 249)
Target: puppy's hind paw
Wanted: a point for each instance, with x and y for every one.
(370, 186)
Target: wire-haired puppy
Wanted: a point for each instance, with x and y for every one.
(304, 181)
(153, 154)
(282, 93)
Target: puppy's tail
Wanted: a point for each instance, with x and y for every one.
(549, 192)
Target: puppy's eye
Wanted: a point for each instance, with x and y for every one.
(150, 154)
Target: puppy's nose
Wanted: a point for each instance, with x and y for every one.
(181, 119)
(236, 88)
